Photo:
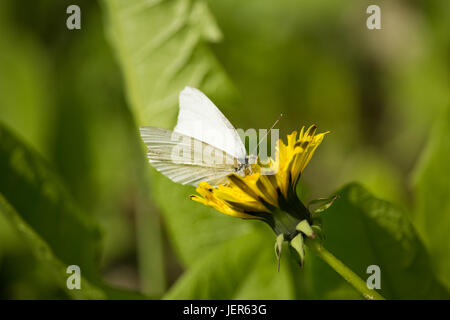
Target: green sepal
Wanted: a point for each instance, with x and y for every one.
(324, 204)
(278, 247)
(298, 245)
(305, 228)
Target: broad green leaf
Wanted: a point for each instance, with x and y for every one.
(432, 214)
(161, 46)
(37, 205)
(33, 190)
(242, 268)
(217, 274)
(44, 253)
(26, 101)
(362, 230)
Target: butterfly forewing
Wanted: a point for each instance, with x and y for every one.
(201, 119)
(187, 160)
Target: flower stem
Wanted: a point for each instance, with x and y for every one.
(343, 270)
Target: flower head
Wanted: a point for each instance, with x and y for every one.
(265, 196)
(269, 193)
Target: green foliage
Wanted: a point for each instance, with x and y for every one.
(33, 189)
(25, 81)
(166, 52)
(241, 268)
(362, 230)
(75, 187)
(45, 254)
(37, 205)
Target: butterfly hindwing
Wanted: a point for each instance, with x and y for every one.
(187, 160)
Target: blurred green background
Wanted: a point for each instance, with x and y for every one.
(75, 99)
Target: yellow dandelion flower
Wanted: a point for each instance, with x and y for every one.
(271, 198)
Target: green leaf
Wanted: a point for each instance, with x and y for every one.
(362, 230)
(161, 47)
(432, 207)
(36, 193)
(45, 254)
(26, 85)
(37, 205)
(242, 268)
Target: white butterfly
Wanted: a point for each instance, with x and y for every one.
(204, 145)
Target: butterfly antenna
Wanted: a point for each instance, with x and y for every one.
(264, 137)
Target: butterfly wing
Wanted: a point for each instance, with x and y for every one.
(187, 160)
(199, 118)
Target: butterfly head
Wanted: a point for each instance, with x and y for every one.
(244, 167)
